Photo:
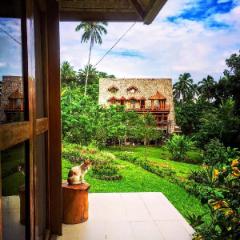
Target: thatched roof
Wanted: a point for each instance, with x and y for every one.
(157, 96)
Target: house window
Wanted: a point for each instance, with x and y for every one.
(132, 89)
(113, 89)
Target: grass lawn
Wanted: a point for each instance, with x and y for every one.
(11, 178)
(136, 179)
(162, 156)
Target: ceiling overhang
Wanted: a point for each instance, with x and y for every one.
(110, 10)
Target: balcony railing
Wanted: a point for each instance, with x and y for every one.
(9, 108)
(149, 109)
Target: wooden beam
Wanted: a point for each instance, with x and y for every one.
(41, 125)
(138, 8)
(54, 133)
(99, 16)
(13, 133)
(153, 9)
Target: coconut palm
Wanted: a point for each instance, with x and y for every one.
(68, 75)
(184, 89)
(90, 71)
(206, 87)
(92, 31)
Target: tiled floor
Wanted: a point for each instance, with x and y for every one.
(130, 216)
(12, 229)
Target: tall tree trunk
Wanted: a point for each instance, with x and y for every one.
(88, 66)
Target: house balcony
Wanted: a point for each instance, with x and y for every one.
(150, 109)
(12, 108)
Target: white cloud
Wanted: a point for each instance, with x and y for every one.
(169, 49)
(2, 64)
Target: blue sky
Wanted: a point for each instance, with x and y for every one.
(10, 50)
(193, 36)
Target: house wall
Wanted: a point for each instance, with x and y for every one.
(9, 85)
(146, 88)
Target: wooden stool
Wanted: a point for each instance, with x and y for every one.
(75, 203)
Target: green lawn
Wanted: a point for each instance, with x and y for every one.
(136, 179)
(11, 178)
(162, 156)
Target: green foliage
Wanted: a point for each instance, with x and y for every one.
(188, 115)
(103, 163)
(178, 145)
(224, 204)
(148, 165)
(106, 172)
(195, 220)
(184, 89)
(206, 88)
(92, 32)
(213, 111)
(93, 75)
(84, 121)
(68, 74)
(215, 153)
(219, 123)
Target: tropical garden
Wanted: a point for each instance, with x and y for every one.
(198, 170)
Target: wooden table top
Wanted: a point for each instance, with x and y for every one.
(80, 187)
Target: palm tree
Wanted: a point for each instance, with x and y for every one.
(90, 71)
(184, 89)
(68, 74)
(206, 87)
(92, 31)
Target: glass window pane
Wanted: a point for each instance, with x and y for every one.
(13, 191)
(11, 73)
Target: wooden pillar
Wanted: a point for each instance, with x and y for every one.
(54, 88)
(152, 104)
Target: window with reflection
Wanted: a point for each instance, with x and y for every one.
(12, 160)
(13, 165)
(11, 73)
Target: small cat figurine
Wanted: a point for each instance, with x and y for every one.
(77, 173)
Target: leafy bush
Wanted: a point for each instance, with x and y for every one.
(145, 164)
(215, 153)
(106, 172)
(199, 176)
(127, 156)
(178, 145)
(103, 166)
(224, 203)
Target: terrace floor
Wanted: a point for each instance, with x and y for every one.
(130, 216)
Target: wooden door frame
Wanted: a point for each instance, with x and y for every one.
(54, 111)
(14, 133)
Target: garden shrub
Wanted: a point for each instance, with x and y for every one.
(178, 146)
(103, 166)
(223, 202)
(215, 153)
(127, 156)
(145, 164)
(106, 172)
(199, 176)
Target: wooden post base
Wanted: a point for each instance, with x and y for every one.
(75, 203)
(22, 204)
